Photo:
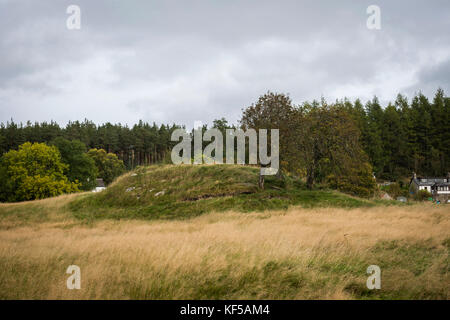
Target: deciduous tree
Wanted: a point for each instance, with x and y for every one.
(35, 171)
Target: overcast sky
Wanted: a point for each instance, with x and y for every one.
(184, 61)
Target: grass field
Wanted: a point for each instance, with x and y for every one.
(302, 250)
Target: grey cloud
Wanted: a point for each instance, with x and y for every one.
(181, 61)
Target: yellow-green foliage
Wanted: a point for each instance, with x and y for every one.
(35, 171)
(109, 166)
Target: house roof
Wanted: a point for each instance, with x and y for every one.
(442, 184)
(427, 181)
(100, 183)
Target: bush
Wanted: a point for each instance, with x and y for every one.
(108, 165)
(358, 182)
(422, 195)
(395, 190)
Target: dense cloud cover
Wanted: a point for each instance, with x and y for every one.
(182, 61)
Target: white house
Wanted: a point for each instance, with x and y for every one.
(438, 187)
(100, 186)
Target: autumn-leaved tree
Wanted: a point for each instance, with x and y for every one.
(35, 171)
(272, 111)
(327, 141)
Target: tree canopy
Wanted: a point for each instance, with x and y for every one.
(319, 142)
(35, 171)
(108, 165)
(80, 167)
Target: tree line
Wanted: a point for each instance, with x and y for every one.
(342, 144)
(39, 170)
(141, 144)
(402, 137)
(405, 136)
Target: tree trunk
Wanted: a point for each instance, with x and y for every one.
(310, 179)
(279, 174)
(261, 180)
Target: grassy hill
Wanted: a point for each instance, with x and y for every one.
(166, 192)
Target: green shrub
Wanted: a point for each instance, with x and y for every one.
(396, 190)
(358, 182)
(422, 195)
(109, 166)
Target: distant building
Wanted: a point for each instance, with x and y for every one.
(385, 196)
(438, 187)
(100, 186)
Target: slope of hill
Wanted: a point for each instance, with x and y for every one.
(170, 191)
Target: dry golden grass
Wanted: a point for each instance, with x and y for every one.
(294, 254)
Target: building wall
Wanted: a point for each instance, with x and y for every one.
(443, 198)
(414, 188)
